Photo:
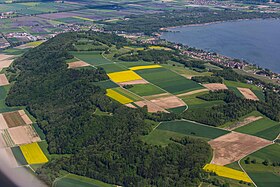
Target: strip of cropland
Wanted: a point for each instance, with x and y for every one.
(118, 97)
(91, 57)
(124, 76)
(264, 128)
(176, 129)
(33, 153)
(71, 180)
(169, 80)
(263, 166)
(227, 172)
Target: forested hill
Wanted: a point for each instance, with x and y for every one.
(104, 147)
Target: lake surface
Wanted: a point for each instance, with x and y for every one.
(256, 41)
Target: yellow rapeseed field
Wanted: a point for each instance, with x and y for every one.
(227, 172)
(124, 76)
(118, 97)
(145, 67)
(159, 48)
(33, 153)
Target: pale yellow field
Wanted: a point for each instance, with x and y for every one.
(227, 172)
(145, 67)
(33, 153)
(159, 48)
(82, 18)
(124, 76)
(118, 97)
(34, 44)
(136, 48)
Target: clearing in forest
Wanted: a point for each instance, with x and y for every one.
(227, 172)
(234, 146)
(5, 60)
(33, 153)
(3, 80)
(23, 135)
(248, 94)
(77, 64)
(215, 86)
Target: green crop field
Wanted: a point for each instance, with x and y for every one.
(179, 68)
(132, 64)
(146, 89)
(110, 68)
(264, 176)
(161, 137)
(106, 84)
(264, 128)
(93, 58)
(169, 80)
(236, 91)
(71, 180)
(191, 128)
(19, 156)
(193, 102)
(178, 110)
(242, 85)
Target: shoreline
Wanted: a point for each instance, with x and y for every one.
(211, 23)
(167, 29)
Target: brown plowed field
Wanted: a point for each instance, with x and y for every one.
(151, 106)
(168, 102)
(141, 81)
(215, 86)
(3, 80)
(234, 146)
(23, 135)
(13, 119)
(77, 64)
(248, 94)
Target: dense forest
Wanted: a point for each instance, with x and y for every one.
(150, 23)
(103, 147)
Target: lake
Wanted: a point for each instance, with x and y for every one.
(256, 41)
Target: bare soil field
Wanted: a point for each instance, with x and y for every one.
(3, 124)
(5, 63)
(23, 135)
(215, 86)
(2, 142)
(151, 97)
(244, 122)
(169, 102)
(151, 106)
(77, 64)
(234, 146)
(192, 92)
(25, 117)
(248, 94)
(130, 105)
(141, 81)
(3, 80)
(13, 119)
(8, 156)
(5, 57)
